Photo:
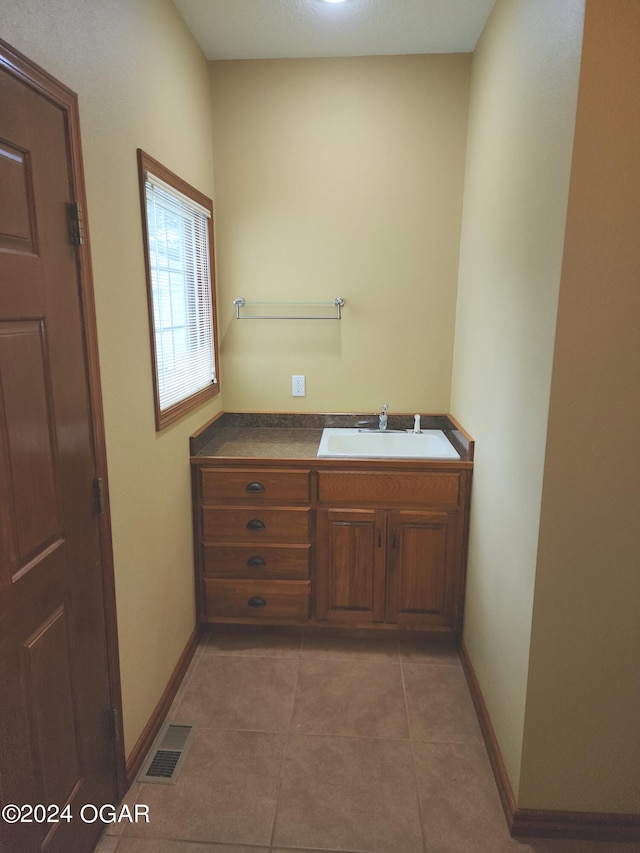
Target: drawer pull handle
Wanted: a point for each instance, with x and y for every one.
(254, 487)
(256, 562)
(257, 601)
(255, 524)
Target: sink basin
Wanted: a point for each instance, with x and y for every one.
(429, 444)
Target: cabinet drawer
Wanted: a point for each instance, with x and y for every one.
(261, 561)
(390, 488)
(255, 524)
(256, 485)
(259, 600)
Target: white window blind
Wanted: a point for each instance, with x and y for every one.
(181, 292)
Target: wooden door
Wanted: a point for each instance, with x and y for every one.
(56, 748)
(350, 579)
(421, 568)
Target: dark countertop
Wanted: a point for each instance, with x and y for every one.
(291, 436)
(263, 442)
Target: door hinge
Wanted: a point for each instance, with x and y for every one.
(98, 492)
(76, 224)
(112, 723)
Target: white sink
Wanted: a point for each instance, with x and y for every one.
(428, 444)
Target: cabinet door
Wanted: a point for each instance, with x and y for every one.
(421, 568)
(350, 578)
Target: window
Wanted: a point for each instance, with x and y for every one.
(178, 239)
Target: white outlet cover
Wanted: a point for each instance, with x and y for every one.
(297, 386)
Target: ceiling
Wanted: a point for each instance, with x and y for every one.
(276, 29)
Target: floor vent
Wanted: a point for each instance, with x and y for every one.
(167, 756)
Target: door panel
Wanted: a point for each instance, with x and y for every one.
(419, 587)
(29, 441)
(422, 547)
(17, 219)
(55, 748)
(351, 555)
(47, 657)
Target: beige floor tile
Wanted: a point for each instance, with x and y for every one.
(461, 810)
(240, 693)
(350, 697)
(305, 850)
(429, 648)
(162, 845)
(256, 640)
(226, 792)
(358, 648)
(348, 794)
(106, 844)
(439, 704)
(558, 845)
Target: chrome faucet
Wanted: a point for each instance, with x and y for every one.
(382, 418)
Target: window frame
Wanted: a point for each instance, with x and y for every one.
(172, 413)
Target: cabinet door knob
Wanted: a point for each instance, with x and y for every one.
(255, 524)
(256, 562)
(257, 601)
(254, 487)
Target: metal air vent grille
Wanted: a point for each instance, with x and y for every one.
(167, 756)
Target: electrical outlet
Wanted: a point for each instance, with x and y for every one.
(297, 386)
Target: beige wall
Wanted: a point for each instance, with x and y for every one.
(340, 177)
(142, 82)
(521, 120)
(582, 728)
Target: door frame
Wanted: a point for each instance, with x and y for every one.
(20, 66)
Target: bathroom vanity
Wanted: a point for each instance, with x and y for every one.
(284, 536)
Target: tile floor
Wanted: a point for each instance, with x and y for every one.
(309, 743)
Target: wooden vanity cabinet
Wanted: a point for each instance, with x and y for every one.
(398, 561)
(356, 546)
